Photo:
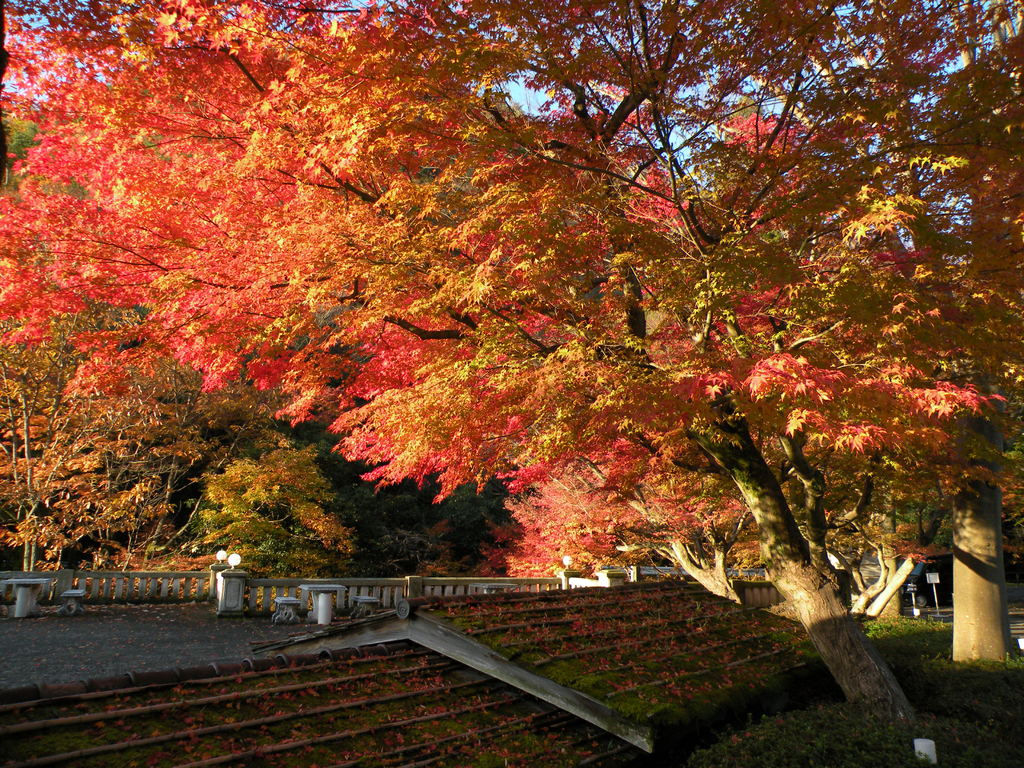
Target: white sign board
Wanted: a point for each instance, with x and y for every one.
(933, 578)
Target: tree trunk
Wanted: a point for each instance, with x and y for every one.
(3, 71)
(887, 602)
(981, 623)
(811, 588)
(868, 592)
(854, 662)
(713, 578)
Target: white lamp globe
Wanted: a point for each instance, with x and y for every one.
(234, 559)
(222, 555)
(567, 560)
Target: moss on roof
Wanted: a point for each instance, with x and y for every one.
(389, 705)
(664, 654)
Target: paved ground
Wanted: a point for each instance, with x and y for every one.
(110, 640)
(1015, 597)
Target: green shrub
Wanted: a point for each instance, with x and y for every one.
(841, 736)
(988, 693)
(973, 712)
(901, 639)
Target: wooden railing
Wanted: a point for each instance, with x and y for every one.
(196, 586)
(757, 594)
(260, 593)
(444, 586)
(122, 586)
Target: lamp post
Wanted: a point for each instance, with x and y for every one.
(215, 571)
(231, 595)
(565, 574)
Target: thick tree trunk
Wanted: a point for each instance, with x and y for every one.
(854, 662)
(812, 589)
(981, 628)
(981, 623)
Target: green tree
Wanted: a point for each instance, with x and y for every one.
(271, 510)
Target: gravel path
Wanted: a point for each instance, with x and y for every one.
(110, 640)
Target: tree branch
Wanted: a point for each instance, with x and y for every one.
(423, 333)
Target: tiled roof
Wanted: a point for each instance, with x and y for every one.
(662, 654)
(565, 678)
(642, 661)
(391, 704)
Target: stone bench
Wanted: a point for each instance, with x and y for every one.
(27, 590)
(71, 602)
(363, 605)
(287, 610)
(323, 596)
(494, 589)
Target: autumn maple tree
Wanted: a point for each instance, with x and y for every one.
(98, 473)
(585, 513)
(492, 237)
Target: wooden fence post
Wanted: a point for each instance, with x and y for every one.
(413, 586)
(65, 578)
(567, 574)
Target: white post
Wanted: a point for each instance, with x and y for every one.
(611, 578)
(925, 749)
(933, 579)
(23, 602)
(231, 600)
(323, 608)
(215, 571)
(566, 574)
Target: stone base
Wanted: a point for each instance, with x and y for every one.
(287, 611)
(71, 603)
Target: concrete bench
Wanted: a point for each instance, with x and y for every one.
(363, 605)
(71, 602)
(323, 596)
(26, 595)
(494, 589)
(287, 610)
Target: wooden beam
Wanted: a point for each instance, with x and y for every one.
(373, 632)
(437, 635)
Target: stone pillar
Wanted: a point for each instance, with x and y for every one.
(566, 574)
(215, 571)
(65, 580)
(615, 578)
(413, 586)
(24, 602)
(231, 600)
(324, 608)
